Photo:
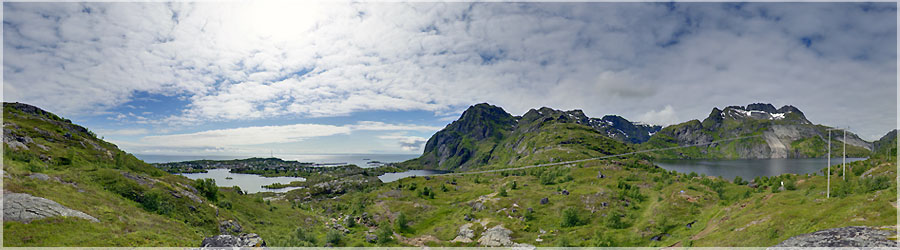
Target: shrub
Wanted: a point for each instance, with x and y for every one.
(789, 185)
(224, 204)
(334, 237)
(875, 183)
(570, 218)
(401, 222)
(208, 188)
(503, 192)
(614, 220)
(384, 233)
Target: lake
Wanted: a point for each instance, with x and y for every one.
(360, 160)
(390, 177)
(249, 183)
(750, 168)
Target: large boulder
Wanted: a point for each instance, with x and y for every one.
(227, 240)
(855, 236)
(26, 208)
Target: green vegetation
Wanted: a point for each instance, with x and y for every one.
(634, 204)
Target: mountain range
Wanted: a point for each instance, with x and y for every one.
(486, 136)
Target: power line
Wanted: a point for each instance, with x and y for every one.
(599, 158)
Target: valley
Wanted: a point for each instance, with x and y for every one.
(623, 200)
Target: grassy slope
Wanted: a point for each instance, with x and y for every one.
(659, 208)
(663, 210)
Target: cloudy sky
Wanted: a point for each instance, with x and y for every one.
(249, 77)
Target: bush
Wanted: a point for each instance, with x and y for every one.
(208, 188)
(529, 215)
(789, 185)
(334, 237)
(401, 222)
(225, 204)
(301, 234)
(570, 218)
(615, 221)
(875, 183)
(384, 233)
(503, 192)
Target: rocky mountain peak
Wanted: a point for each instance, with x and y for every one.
(758, 111)
(765, 107)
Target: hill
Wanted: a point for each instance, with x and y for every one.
(486, 136)
(779, 133)
(64, 186)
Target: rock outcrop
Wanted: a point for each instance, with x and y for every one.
(464, 234)
(855, 236)
(26, 208)
(498, 236)
(227, 240)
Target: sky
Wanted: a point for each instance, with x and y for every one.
(251, 78)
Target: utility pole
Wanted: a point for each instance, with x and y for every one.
(844, 163)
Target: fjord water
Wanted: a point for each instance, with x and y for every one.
(249, 183)
(751, 168)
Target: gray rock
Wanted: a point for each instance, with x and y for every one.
(855, 236)
(478, 206)
(371, 238)
(565, 192)
(26, 208)
(545, 200)
(230, 227)
(464, 234)
(225, 240)
(498, 236)
(39, 176)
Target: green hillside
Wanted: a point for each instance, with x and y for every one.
(781, 133)
(616, 202)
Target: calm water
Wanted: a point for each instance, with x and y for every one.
(249, 183)
(357, 159)
(390, 177)
(749, 169)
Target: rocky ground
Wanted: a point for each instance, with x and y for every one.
(26, 208)
(854, 236)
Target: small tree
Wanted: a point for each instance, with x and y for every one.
(502, 192)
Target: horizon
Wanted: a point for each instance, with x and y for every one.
(255, 78)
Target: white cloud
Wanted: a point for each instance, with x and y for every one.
(264, 59)
(126, 132)
(245, 136)
(257, 135)
(407, 143)
(665, 116)
(381, 126)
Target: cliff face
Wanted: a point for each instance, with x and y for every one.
(781, 133)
